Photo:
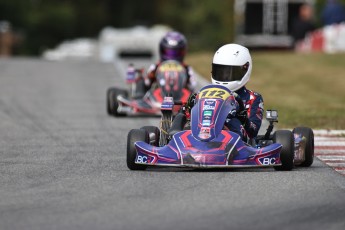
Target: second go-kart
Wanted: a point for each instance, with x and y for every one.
(206, 144)
(171, 80)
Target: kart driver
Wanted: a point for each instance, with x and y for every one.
(173, 46)
(232, 67)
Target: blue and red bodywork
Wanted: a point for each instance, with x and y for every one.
(207, 144)
(171, 80)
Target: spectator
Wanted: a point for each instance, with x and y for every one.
(333, 13)
(7, 39)
(303, 24)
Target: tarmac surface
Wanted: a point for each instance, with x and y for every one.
(63, 166)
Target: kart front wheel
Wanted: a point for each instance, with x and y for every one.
(114, 104)
(109, 100)
(286, 139)
(154, 133)
(308, 134)
(133, 136)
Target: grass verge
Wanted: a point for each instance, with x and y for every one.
(306, 89)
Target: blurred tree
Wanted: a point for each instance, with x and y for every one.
(207, 24)
(45, 23)
(48, 24)
(127, 13)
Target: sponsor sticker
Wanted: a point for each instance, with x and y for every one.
(209, 107)
(204, 133)
(210, 102)
(208, 113)
(206, 123)
(268, 161)
(144, 159)
(168, 99)
(168, 103)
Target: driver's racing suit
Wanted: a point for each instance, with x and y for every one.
(150, 78)
(247, 123)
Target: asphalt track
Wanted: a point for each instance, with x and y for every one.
(62, 166)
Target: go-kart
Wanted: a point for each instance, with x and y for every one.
(137, 100)
(206, 144)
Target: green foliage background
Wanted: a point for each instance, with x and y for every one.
(45, 23)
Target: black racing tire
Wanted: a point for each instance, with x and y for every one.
(133, 136)
(309, 148)
(114, 104)
(286, 139)
(154, 134)
(109, 100)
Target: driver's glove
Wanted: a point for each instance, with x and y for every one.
(242, 116)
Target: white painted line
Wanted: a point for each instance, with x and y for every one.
(329, 132)
(336, 165)
(330, 148)
(330, 151)
(329, 138)
(331, 157)
(342, 171)
(330, 143)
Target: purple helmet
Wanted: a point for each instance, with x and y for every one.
(173, 46)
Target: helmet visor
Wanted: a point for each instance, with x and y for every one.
(228, 73)
(169, 53)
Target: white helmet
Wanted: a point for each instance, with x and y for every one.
(231, 66)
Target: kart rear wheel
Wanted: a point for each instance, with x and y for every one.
(109, 100)
(309, 147)
(286, 139)
(114, 104)
(133, 136)
(154, 133)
